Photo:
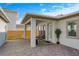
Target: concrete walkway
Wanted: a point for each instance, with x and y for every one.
(22, 48)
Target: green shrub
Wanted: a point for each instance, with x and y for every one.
(58, 32)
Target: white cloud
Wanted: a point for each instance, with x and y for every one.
(43, 10)
(41, 4)
(71, 9)
(55, 6)
(64, 10)
(52, 13)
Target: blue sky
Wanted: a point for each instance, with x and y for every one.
(51, 9)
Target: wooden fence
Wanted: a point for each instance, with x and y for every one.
(13, 35)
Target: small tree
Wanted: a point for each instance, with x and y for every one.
(58, 32)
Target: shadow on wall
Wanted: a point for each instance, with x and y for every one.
(2, 38)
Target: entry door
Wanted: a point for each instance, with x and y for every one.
(50, 32)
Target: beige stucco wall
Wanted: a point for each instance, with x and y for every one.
(13, 17)
(54, 26)
(2, 32)
(64, 39)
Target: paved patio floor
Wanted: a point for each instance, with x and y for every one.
(22, 48)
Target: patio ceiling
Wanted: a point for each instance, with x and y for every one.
(37, 22)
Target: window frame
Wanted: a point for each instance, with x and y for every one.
(73, 37)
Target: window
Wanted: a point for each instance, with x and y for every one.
(72, 29)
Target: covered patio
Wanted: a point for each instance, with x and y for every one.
(38, 23)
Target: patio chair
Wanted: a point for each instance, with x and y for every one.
(40, 37)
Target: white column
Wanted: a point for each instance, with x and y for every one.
(25, 32)
(37, 30)
(46, 35)
(33, 33)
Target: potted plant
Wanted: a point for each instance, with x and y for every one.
(58, 32)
